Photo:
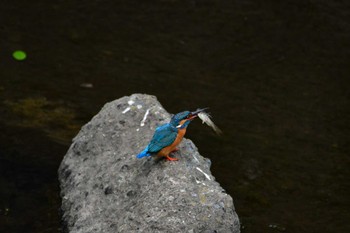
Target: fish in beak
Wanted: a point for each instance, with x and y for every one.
(194, 114)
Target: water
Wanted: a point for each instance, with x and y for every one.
(275, 75)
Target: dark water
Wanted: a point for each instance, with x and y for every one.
(275, 74)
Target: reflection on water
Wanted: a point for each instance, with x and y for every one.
(274, 75)
(55, 119)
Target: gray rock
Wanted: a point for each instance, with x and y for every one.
(105, 188)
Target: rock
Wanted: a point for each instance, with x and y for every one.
(105, 188)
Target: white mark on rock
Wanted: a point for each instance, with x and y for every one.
(205, 174)
(173, 181)
(195, 158)
(137, 129)
(131, 102)
(139, 106)
(144, 118)
(198, 182)
(126, 110)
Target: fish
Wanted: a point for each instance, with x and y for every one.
(205, 117)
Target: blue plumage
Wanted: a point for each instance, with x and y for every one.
(165, 135)
(144, 153)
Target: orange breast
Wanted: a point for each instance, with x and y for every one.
(167, 150)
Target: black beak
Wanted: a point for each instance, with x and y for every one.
(195, 113)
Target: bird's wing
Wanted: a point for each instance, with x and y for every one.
(164, 136)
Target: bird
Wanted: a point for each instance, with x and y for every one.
(167, 136)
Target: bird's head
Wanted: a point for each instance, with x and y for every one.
(183, 119)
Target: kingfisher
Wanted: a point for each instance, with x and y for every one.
(168, 136)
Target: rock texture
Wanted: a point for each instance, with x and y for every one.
(104, 188)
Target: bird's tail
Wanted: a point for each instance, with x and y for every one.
(143, 153)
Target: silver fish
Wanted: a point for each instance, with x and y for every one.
(205, 117)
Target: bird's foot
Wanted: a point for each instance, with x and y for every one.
(170, 158)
